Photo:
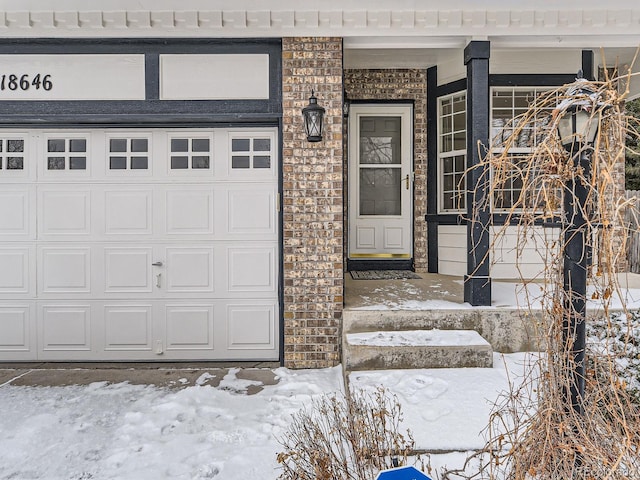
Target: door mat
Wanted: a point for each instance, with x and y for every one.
(383, 275)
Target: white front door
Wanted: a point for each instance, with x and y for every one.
(380, 182)
(150, 244)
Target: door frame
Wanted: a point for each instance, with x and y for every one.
(380, 260)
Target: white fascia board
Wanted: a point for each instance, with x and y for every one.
(344, 18)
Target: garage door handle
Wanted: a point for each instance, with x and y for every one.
(157, 264)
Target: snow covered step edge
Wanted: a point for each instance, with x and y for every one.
(416, 349)
(408, 338)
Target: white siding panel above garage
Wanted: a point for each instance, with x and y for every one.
(139, 245)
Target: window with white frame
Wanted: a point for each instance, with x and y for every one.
(514, 127)
(452, 152)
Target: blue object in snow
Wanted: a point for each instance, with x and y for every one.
(402, 473)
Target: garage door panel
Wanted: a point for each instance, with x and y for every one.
(128, 327)
(251, 327)
(190, 269)
(189, 211)
(189, 327)
(128, 270)
(65, 270)
(17, 326)
(251, 212)
(64, 211)
(128, 211)
(65, 328)
(17, 220)
(16, 271)
(251, 269)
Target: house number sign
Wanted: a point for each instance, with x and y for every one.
(72, 77)
(23, 82)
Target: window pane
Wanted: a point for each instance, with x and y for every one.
(0, 147)
(15, 146)
(447, 183)
(447, 165)
(240, 145)
(117, 163)
(15, 163)
(447, 144)
(179, 145)
(261, 162)
(118, 145)
(77, 145)
(139, 163)
(200, 145)
(200, 162)
(459, 141)
(139, 145)
(239, 162)
(55, 163)
(77, 163)
(380, 191)
(379, 140)
(56, 145)
(179, 162)
(446, 125)
(262, 144)
(448, 201)
(446, 107)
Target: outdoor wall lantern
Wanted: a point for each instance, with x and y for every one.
(577, 124)
(313, 116)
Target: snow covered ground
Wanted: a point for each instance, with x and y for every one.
(123, 431)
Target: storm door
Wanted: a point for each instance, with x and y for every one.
(380, 182)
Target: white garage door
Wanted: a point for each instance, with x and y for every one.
(138, 245)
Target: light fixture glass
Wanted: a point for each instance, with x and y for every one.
(580, 119)
(313, 117)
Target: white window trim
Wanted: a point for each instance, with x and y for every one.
(451, 154)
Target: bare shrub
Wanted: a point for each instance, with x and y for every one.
(346, 437)
(534, 432)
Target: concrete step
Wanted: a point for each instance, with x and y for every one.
(507, 330)
(383, 350)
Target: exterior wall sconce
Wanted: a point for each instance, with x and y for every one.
(578, 125)
(313, 116)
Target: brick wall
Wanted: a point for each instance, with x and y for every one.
(402, 84)
(312, 205)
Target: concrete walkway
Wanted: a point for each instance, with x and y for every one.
(173, 376)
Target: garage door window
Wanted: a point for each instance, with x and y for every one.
(190, 153)
(128, 154)
(250, 153)
(66, 154)
(11, 154)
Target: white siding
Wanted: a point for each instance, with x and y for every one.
(511, 257)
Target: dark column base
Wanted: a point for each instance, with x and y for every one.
(477, 291)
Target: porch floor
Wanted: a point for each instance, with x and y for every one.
(435, 291)
(432, 287)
